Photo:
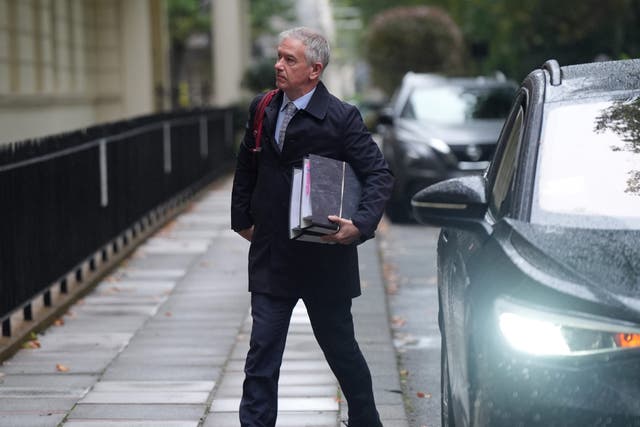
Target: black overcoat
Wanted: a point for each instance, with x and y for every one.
(261, 191)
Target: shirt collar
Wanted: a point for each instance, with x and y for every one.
(300, 103)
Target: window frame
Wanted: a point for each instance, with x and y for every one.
(518, 109)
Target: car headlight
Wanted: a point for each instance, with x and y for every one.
(416, 149)
(542, 332)
(421, 147)
(439, 145)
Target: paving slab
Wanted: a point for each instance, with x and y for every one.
(42, 419)
(131, 423)
(285, 404)
(43, 392)
(31, 405)
(137, 412)
(147, 397)
(80, 342)
(161, 342)
(285, 419)
(161, 372)
(51, 365)
(57, 380)
(157, 273)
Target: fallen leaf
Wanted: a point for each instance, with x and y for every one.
(392, 288)
(383, 226)
(58, 322)
(398, 321)
(167, 229)
(420, 394)
(32, 344)
(168, 314)
(404, 372)
(62, 368)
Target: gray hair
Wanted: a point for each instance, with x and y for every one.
(317, 46)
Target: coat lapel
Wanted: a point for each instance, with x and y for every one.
(319, 102)
(317, 107)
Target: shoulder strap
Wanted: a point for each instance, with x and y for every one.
(259, 117)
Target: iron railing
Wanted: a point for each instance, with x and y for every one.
(65, 196)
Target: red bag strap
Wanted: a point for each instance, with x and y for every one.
(259, 118)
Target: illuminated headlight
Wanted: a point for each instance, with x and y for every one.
(549, 333)
(439, 145)
(416, 149)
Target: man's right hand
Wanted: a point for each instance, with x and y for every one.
(247, 233)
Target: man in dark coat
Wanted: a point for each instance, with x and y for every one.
(282, 270)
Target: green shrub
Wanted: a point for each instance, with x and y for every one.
(422, 39)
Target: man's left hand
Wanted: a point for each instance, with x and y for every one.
(347, 232)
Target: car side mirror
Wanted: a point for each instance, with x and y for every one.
(457, 203)
(385, 117)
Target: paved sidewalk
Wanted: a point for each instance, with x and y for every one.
(161, 342)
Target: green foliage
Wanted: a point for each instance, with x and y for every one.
(419, 39)
(186, 17)
(370, 8)
(516, 37)
(520, 36)
(262, 11)
(260, 76)
(623, 118)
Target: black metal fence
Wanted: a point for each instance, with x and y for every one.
(64, 196)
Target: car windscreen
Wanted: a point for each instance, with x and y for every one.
(450, 105)
(588, 173)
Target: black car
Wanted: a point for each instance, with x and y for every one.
(539, 259)
(438, 128)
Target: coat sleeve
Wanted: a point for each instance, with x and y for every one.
(244, 179)
(367, 160)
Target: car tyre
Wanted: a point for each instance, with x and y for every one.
(445, 389)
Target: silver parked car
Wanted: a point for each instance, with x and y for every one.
(440, 127)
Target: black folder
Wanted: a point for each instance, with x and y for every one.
(322, 187)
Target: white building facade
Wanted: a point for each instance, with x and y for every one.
(68, 64)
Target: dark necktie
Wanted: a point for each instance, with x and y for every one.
(289, 111)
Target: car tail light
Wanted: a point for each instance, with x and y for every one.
(628, 340)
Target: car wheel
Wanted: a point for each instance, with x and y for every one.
(445, 389)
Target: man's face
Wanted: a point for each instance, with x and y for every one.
(294, 75)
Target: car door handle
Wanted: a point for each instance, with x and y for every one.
(445, 236)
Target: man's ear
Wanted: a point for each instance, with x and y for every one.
(316, 70)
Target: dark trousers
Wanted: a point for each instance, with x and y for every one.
(333, 328)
